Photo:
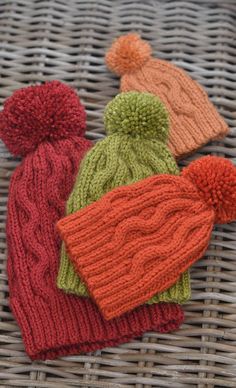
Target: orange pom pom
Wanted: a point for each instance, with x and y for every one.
(128, 53)
(216, 180)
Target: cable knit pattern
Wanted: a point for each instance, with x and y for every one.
(194, 119)
(135, 148)
(145, 235)
(54, 324)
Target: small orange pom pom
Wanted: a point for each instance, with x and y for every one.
(128, 53)
(215, 178)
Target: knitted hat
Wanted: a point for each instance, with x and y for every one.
(194, 120)
(135, 148)
(145, 235)
(46, 124)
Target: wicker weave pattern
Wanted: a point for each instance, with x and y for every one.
(66, 40)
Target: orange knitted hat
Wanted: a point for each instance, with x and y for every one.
(147, 234)
(194, 119)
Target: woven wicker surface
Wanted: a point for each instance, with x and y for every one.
(66, 40)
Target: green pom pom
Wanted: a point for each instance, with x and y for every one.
(135, 113)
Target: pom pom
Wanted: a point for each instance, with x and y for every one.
(215, 178)
(128, 53)
(137, 113)
(34, 114)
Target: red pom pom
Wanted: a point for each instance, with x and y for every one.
(215, 178)
(34, 114)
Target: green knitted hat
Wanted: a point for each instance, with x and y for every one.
(135, 148)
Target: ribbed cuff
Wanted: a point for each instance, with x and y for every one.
(70, 282)
(67, 279)
(182, 144)
(68, 325)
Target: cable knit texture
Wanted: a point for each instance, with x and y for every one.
(137, 128)
(194, 120)
(54, 324)
(145, 235)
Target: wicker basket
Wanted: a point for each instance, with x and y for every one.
(66, 40)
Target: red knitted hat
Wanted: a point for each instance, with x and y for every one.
(147, 234)
(45, 124)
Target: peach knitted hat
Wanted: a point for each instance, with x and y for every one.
(194, 119)
(147, 234)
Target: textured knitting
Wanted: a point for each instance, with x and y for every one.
(147, 234)
(135, 148)
(193, 118)
(45, 124)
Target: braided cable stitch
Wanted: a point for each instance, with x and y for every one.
(147, 234)
(135, 148)
(193, 119)
(45, 123)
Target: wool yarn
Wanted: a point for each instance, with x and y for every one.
(193, 119)
(46, 124)
(135, 148)
(145, 235)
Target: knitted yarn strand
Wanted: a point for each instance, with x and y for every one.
(147, 234)
(193, 119)
(135, 148)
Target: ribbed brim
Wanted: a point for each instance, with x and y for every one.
(69, 325)
(70, 282)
